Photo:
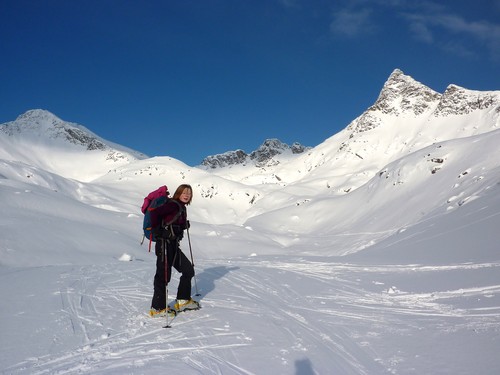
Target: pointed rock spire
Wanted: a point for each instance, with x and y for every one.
(401, 94)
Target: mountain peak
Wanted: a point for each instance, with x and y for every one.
(40, 123)
(32, 122)
(51, 140)
(401, 94)
(37, 115)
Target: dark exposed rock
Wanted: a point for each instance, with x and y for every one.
(262, 156)
(459, 101)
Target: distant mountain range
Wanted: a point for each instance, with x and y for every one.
(407, 116)
(38, 124)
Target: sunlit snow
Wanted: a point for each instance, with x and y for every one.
(376, 252)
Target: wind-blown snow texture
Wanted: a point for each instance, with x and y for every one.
(375, 252)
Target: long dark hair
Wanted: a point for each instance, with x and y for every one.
(179, 191)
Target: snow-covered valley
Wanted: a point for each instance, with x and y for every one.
(375, 252)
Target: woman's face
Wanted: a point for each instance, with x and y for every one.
(185, 196)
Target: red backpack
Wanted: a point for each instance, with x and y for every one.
(160, 192)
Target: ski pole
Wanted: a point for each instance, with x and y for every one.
(164, 252)
(192, 261)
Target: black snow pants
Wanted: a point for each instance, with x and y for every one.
(176, 258)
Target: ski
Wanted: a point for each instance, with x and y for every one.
(161, 314)
(171, 312)
(189, 306)
(177, 312)
(186, 310)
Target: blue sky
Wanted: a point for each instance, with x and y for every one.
(190, 78)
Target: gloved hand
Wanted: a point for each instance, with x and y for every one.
(164, 233)
(178, 232)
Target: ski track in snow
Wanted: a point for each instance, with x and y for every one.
(307, 316)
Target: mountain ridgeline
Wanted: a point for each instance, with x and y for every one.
(269, 149)
(406, 117)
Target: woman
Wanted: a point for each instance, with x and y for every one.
(173, 219)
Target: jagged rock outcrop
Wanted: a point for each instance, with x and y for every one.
(225, 159)
(268, 149)
(459, 101)
(263, 155)
(401, 94)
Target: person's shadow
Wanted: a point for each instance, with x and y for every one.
(205, 281)
(304, 367)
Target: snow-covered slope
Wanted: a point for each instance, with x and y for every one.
(433, 180)
(375, 252)
(41, 139)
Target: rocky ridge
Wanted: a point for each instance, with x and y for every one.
(38, 130)
(38, 122)
(264, 155)
(402, 95)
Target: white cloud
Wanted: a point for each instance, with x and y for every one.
(421, 32)
(482, 32)
(351, 22)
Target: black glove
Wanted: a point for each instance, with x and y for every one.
(162, 233)
(178, 232)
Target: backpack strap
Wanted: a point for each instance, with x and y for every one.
(177, 215)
